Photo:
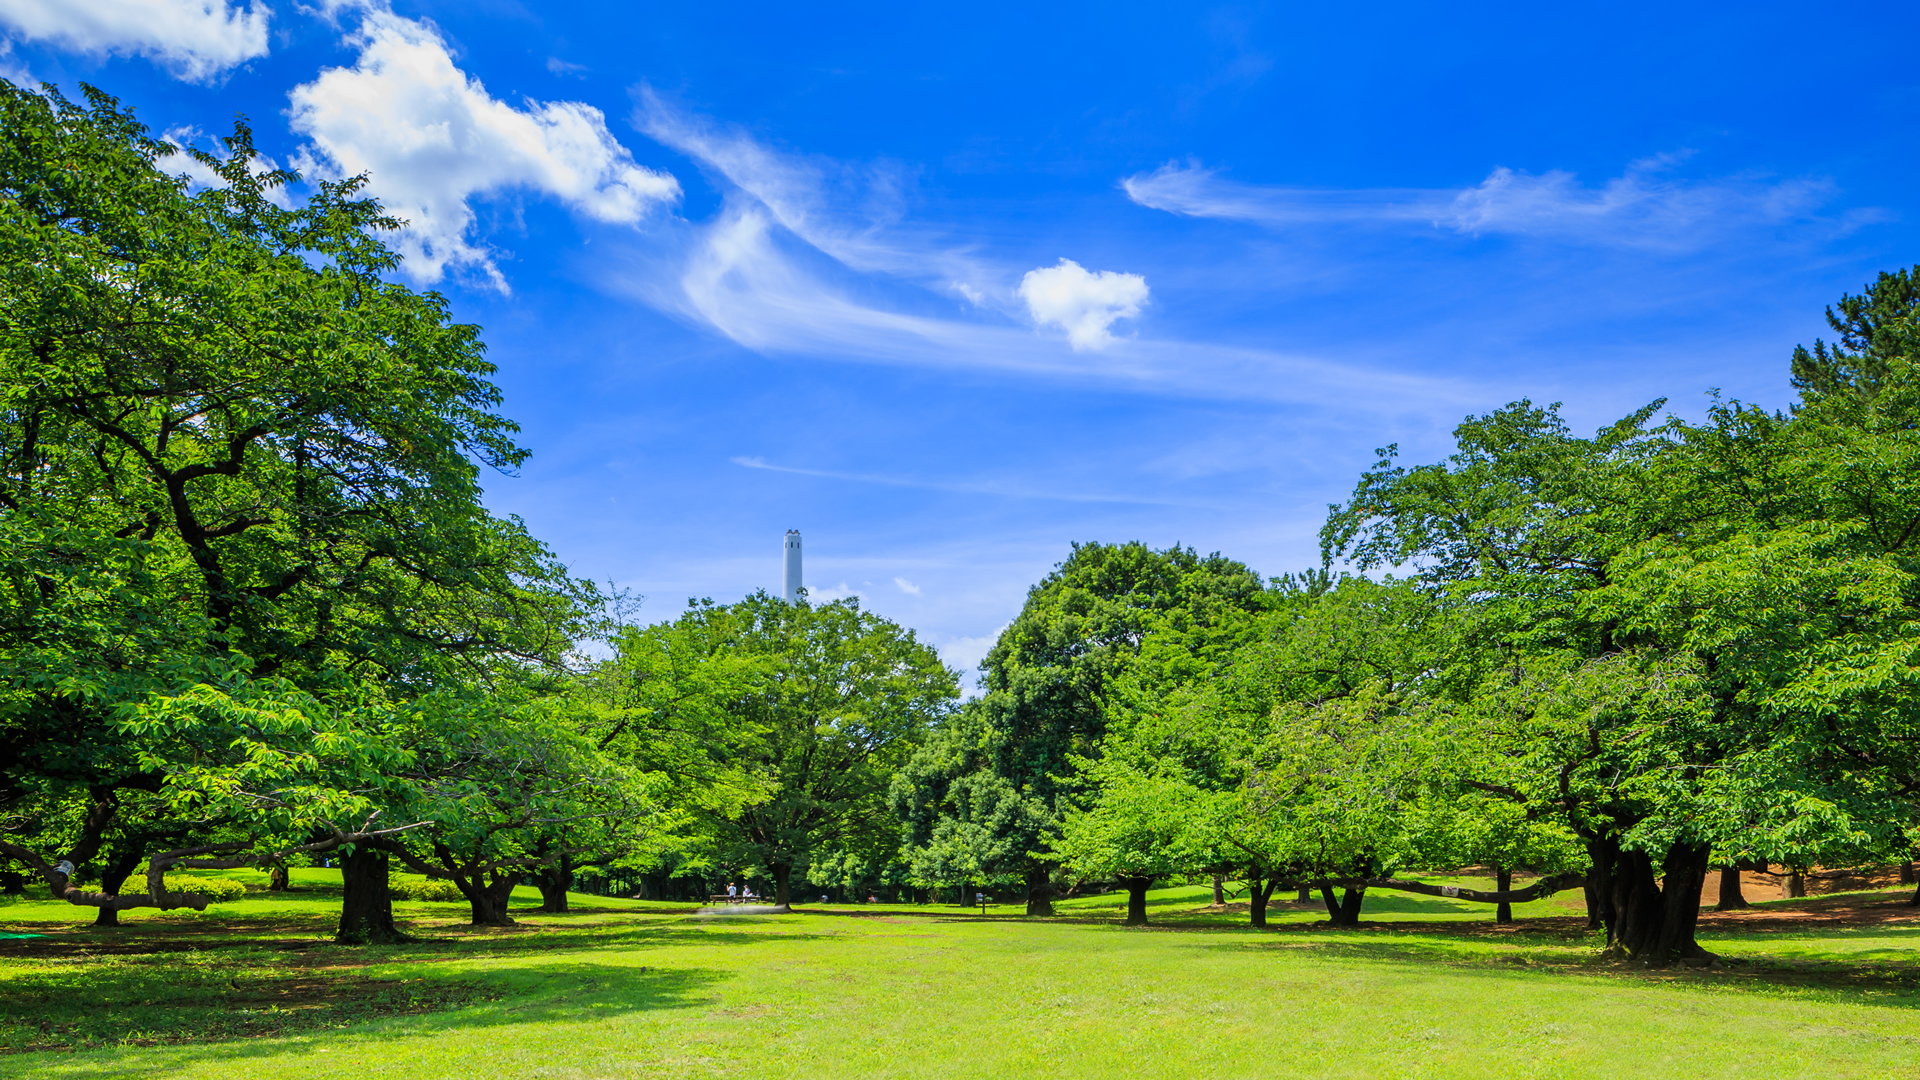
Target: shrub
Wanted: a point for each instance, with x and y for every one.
(423, 889)
(219, 890)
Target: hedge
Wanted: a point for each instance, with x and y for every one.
(219, 890)
(423, 889)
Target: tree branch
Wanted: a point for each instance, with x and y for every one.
(1546, 886)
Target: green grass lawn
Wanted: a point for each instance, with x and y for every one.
(620, 988)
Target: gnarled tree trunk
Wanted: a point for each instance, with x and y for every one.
(554, 881)
(1039, 890)
(112, 876)
(1137, 899)
(487, 896)
(1259, 891)
(1650, 910)
(1503, 880)
(1344, 911)
(278, 880)
(366, 905)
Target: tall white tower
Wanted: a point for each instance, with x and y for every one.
(792, 590)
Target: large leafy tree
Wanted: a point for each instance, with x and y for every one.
(996, 789)
(1325, 715)
(509, 790)
(239, 500)
(1824, 570)
(1670, 634)
(1183, 729)
(1531, 526)
(782, 723)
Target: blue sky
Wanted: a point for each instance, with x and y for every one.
(950, 287)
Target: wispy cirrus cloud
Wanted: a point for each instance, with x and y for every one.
(809, 256)
(962, 487)
(1644, 207)
(854, 214)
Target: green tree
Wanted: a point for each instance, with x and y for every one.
(238, 494)
(509, 790)
(965, 820)
(999, 790)
(1137, 827)
(1632, 608)
(782, 724)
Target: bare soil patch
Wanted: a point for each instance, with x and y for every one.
(1831, 912)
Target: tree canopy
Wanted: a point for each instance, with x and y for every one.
(240, 514)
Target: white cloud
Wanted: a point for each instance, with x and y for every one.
(855, 214)
(433, 139)
(1083, 304)
(1643, 207)
(197, 40)
(906, 586)
(811, 257)
(1193, 191)
(827, 594)
(966, 653)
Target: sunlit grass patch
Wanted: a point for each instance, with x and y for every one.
(626, 989)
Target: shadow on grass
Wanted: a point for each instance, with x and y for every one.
(80, 994)
(294, 933)
(226, 1008)
(1885, 977)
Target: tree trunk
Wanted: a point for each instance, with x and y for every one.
(500, 892)
(112, 876)
(1503, 877)
(1344, 911)
(1596, 894)
(1915, 902)
(1796, 884)
(278, 880)
(1219, 890)
(366, 906)
(1305, 895)
(1259, 891)
(1908, 876)
(554, 882)
(1039, 890)
(486, 898)
(1731, 898)
(1651, 911)
(1137, 899)
(781, 875)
